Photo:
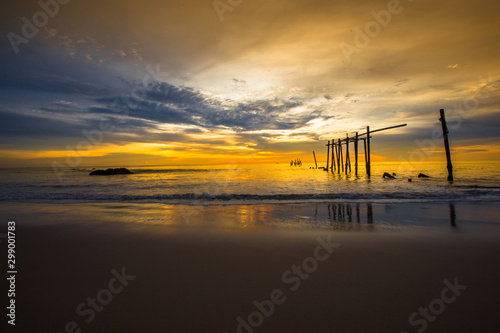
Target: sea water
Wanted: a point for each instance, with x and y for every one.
(255, 183)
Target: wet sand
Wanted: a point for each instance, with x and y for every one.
(203, 273)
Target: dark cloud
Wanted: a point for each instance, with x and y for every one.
(55, 85)
(169, 104)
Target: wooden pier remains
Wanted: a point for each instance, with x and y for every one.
(446, 144)
(337, 160)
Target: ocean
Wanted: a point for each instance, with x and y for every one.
(255, 184)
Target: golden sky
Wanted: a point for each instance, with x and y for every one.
(187, 82)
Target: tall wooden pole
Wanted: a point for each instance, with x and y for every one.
(366, 159)
(368, 166)
(327, 154)
(316, 163)
(446, 145)
(333, 154)
(341, 156)
(347, 158)
(334, 151)
(337, 155)
(356, 154)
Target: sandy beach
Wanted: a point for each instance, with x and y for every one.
(99, 272)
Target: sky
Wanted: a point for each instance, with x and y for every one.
(120, 83)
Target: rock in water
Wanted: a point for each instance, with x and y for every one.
(110, 172)
(388, 175)
(421, 175)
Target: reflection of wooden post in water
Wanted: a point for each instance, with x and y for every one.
(344, 213)
(369, 213)
(357, 213)
(446, 144)
(356, 155)
(327, 154)
(453, 216)
(316, 163)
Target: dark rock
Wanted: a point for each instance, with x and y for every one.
(388, 175)
(109, 172)
(421, 175)
(409, 180)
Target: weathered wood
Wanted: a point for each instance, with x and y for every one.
(339, 147)
(336, 156)
(341, 156)
(327, 154)
(356, 154)
(384, 129)
(334, 167)
(316, 163)
(446, 144)
(347, 159)
(333, 157)
(368, 157)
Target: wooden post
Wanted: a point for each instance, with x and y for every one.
(350, 170)
(341, 156)
(356, 154)
(368, 166)
(333, 144)
(327, 154)
(347, 159)
(315, 159)
(338, 156)
(446, 145)
(334, 156)
(366, 160)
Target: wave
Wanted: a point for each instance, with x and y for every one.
(139, 171)
(259, 198)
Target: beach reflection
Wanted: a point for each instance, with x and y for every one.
(317, 216)
(342, 215)
(453, 216)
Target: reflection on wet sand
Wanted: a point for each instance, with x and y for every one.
(453, 216)
(340, 213)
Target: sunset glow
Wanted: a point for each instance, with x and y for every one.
(175, 83)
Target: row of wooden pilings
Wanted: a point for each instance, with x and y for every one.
(335, 162)
(340, 163)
